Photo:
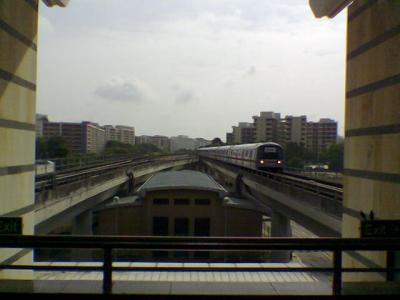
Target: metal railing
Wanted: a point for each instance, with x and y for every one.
(326, 190)
(110, 243)
(324, 176)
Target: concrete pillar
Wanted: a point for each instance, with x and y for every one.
(18, 43)
(82, 224)
(372, 123)
(280, 227)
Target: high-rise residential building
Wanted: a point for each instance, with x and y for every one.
(120, 133)
(125, 134)
(161, 142)
(110, 132)
(79, 138)
(40, 119)
(72, 133)
(229, 138)
(320, 135)
(182, 142)
(267, 127)
(244, 133)
(294, 129)
(143, 139)
(201, 142)
(93, 137)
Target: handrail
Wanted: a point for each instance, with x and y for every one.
(109, 243)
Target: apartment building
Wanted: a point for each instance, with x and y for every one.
(40, 119)
(229, 138)
(161, 142)
(182, 142)
(320, 135)
(79, 138)
(244, 133)
(267, 127)
(93, 137)
(120, 133)
(270, 127)
(294, 129)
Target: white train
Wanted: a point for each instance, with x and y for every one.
(260, 156)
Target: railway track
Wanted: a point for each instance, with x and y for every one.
(64, 177)
(326, 189)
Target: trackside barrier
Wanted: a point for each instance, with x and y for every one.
(108, 243)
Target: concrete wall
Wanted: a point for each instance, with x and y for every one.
(136, 219)
(18, 40)
(372, 142)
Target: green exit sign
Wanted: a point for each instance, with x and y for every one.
(380, 228)
(9, 225)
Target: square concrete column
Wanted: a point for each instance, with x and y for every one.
(18, 50)
(280, 227)
(372, 128)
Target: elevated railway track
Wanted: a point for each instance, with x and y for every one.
(316, 205)
(76, 173)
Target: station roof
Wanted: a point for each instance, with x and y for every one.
(186, 179)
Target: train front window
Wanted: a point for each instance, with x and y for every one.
(270, 153)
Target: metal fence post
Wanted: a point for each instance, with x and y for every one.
(390, 259)
(107, 271)
(337, 272)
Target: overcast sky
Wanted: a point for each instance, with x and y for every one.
(193, 67)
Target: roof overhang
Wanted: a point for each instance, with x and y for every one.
(328, 8)
(61, 3)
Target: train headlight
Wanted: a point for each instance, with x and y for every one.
(279, 161)
(261, 161)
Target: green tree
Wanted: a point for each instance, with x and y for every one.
(334, 157)
(295, 162)
(216, 142)
(41, 148)
(115, 147)
(296, 155)
(53, 147)
(56, 147)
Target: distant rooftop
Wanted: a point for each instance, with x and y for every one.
(186, 179)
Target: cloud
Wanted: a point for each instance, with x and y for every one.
(185, 97)
(251, 71)
(45, 24)
(122, 90)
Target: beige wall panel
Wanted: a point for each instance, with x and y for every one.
(379, 108)
(28, 223)
(19, 15)
(16, 274)
(375, 64)
(366, 194)
(349, 261)
(17, 147)
(378, 153)
(370, 24)
(351, 227)
(17, 191)
(17, 103)
(354, 191)
(17, 58)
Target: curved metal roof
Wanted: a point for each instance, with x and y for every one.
(186, 179)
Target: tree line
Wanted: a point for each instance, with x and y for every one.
(55, 147)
